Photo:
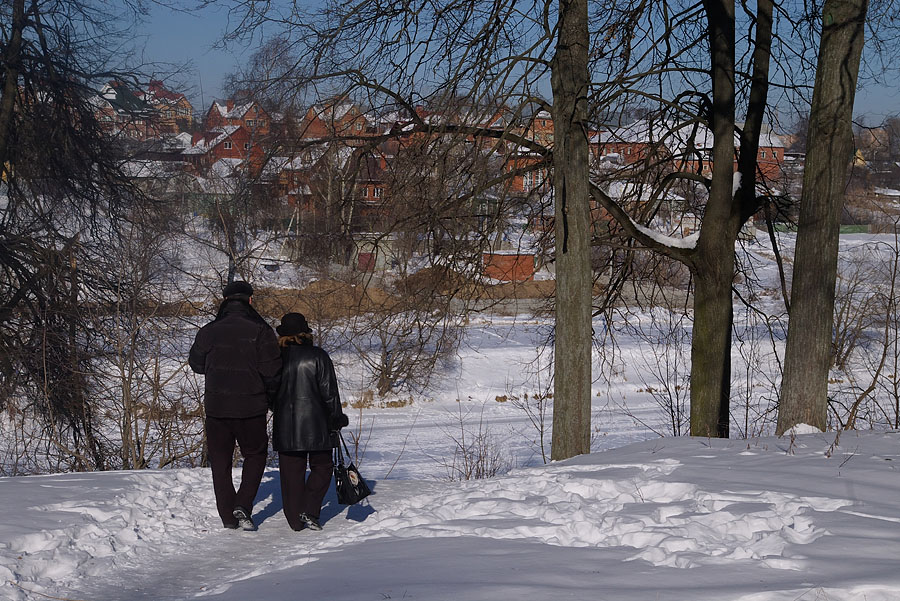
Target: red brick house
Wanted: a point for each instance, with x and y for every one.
(631, 143)
(540, 128)
(337, 173)
(528, 181)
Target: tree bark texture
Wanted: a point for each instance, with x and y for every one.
(714, 262)
(804, 389)
(572, 350)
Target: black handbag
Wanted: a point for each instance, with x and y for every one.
(350, 486)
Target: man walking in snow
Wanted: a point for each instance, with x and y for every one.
(239, 355)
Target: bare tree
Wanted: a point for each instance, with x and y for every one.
(63, 188)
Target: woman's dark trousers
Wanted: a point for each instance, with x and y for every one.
(300, 494)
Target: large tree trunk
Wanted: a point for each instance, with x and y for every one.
(714, 266)
(572, 352)
(12, 65)
(804, 389)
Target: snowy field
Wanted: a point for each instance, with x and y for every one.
(642, 518)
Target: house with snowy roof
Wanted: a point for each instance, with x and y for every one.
(247, 113)
(327, 174)
(232, 142)
(121, 112)
(686, 147)
(175, 113)
(338, 116)
(142, 114)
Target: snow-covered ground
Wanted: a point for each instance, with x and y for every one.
(673, 518)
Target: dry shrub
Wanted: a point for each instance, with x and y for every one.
(397, 403)
(333, 299)
(322, 300)
(437, 280)
(477, 454)
(365, 401)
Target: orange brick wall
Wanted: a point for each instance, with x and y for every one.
(514, 267)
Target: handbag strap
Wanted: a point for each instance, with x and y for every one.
(341, 436)
(338, 454)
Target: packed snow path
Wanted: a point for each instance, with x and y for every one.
(674, 519)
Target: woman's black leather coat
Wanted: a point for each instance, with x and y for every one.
(308, 406)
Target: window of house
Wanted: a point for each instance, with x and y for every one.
(762, 154)
(246, 145)
(251, 122)
(377, 192)
(543, 123)
(366, 192)
(358, 126)
(227, 145)
(528, 181)
(261, 122)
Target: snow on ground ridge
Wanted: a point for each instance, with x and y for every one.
(156, 509)
(668, 522)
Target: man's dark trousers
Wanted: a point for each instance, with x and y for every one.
(250, 435)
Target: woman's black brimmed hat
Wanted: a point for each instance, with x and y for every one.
(293, 324)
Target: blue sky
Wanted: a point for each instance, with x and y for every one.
(180, 38)
(188, 38)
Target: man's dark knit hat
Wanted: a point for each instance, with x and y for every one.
(238, 289)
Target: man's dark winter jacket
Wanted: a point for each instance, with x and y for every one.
(239, 355)
(308, 406)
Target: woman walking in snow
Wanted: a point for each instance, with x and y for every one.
(307, 410)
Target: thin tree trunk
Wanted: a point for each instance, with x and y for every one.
(759, 92)
(804, 389)
(572, 351)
